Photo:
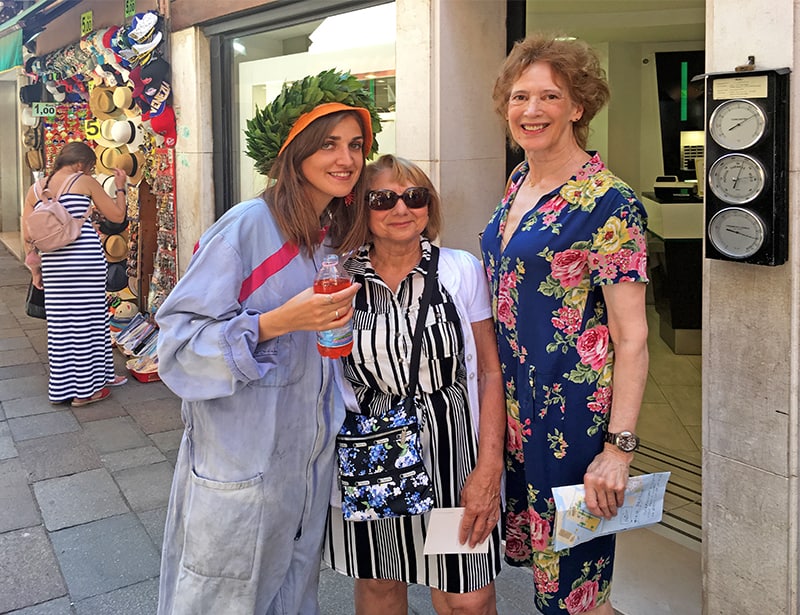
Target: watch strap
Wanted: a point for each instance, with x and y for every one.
(614, 438)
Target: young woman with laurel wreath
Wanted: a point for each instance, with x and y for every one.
(237, 343)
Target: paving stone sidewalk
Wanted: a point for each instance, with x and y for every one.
(84, 490)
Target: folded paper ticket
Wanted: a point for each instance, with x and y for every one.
(644, 505)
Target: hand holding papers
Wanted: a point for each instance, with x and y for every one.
(644, 505)
(442, 537)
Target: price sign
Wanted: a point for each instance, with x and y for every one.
(130, 8)
(91, 128)
(43, 109)
(87, 21)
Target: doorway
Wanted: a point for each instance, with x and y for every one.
(11, 192)
(628, 136)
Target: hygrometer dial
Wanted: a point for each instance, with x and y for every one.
(737, 124)
(736, 232)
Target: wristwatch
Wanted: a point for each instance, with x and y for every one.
(624, 440)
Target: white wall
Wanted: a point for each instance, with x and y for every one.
(628, 133)
(191, 84)
(751, 333)
(10, 194)
(598, 130)
(448, 55)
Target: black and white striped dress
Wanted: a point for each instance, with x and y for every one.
(78, 337)
(378, 370)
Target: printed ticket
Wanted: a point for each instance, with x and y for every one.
(574, 524)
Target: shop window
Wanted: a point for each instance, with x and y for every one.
(361, 41)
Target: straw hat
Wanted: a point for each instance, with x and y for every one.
(106, 159)
(127, 133)
(28, 118)
(116, 247)
(107, 181)
(104, 137)
(101, 103)
(133, 165)
(117, 276)
(123, 99)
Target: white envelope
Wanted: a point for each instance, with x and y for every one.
(443, 526)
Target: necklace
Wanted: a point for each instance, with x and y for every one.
(563, 166)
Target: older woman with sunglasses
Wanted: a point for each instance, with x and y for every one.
(460, 390)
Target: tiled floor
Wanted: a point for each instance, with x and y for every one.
(658, 570)
(65, 462)
(671, 413)
(669, 425)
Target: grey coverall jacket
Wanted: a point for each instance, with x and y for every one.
(253, 476)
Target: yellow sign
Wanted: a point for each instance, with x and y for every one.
(91, 129)
(87, 21)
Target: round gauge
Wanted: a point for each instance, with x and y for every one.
(737, 124)
(736, 178)
(736, 232)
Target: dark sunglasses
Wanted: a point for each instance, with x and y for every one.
(382, 200)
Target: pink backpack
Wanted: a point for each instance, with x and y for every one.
(50, 226)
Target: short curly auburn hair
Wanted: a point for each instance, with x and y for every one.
(576, 65)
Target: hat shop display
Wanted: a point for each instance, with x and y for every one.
(112, 90)
(32, 139)
(116, 247)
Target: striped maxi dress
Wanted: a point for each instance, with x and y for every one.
(78, 338)
(383, 324)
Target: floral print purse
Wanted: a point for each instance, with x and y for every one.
(381, 469)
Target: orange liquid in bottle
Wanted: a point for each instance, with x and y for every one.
(326, 287)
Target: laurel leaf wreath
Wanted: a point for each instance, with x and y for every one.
(269, 128)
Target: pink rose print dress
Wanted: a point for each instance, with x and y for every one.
(557, 361)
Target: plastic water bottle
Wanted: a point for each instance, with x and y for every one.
(332, 277)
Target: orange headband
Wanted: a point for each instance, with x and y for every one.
(326, 109)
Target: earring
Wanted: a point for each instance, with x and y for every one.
(350, 198)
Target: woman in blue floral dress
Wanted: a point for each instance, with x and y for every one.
(566, 260)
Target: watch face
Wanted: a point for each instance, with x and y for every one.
(736, 178)
(627, 442)
(737, 124)
(624, 441)
(736, 232)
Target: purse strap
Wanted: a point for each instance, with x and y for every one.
(416, 341)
